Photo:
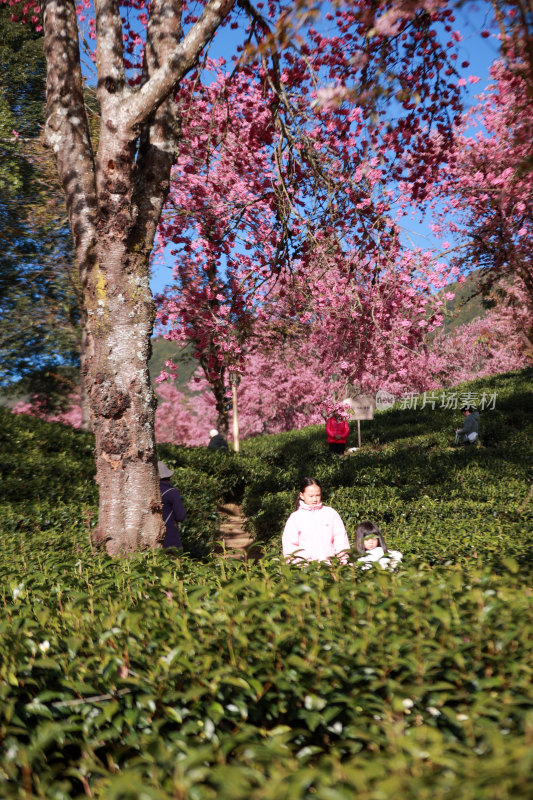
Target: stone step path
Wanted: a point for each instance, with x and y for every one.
(236, 538)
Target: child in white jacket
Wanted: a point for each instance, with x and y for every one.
(313, 532)
(369, 541)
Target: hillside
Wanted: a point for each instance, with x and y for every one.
(50, 463)
(210, 678)
(163, 350)
(467, 305)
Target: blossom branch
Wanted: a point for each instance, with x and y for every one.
(179, 61)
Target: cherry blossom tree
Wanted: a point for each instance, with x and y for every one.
(284, 387)
(220, 221)
(36, 407)
(514, 23)
(487, 188)
(343, 325)
(114, 194)
(488, 345)
(353, 328)
(261, 178)
(180, 419)
(115, 184)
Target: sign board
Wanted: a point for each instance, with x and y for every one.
(362, 407)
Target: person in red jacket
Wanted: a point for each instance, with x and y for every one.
(337, 431)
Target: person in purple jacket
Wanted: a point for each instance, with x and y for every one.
(173, 511)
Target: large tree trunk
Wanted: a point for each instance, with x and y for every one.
(114, 205)
(221, 402)
(123, 402)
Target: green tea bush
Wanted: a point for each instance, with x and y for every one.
(47, 468)
(288, 450)
(235, 681)
(265, 513)
(157, 677)
(40, 461)
(228, 468)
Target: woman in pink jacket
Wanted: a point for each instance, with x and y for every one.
(314, 532)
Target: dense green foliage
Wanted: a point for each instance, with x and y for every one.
(163, 678)
(39, 301)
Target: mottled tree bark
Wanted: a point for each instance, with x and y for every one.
(85, 401)
(114, 201)
(221, 402)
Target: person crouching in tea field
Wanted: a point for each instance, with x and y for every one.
(173, 511)
(370, 543)
(469, 432)
(313, 532)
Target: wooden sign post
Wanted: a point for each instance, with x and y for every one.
(361, 407)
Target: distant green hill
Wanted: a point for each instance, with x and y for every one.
(467, 305)
(163, 350)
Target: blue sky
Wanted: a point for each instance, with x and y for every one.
(478, 51)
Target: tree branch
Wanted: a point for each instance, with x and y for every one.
(66, 129)
(139, 106)
(109, 46)
(159, 138)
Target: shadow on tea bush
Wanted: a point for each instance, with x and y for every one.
(267, 514)
(229, 469)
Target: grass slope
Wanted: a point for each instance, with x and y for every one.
(204, 678)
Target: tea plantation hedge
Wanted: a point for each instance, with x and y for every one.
(199, 677)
